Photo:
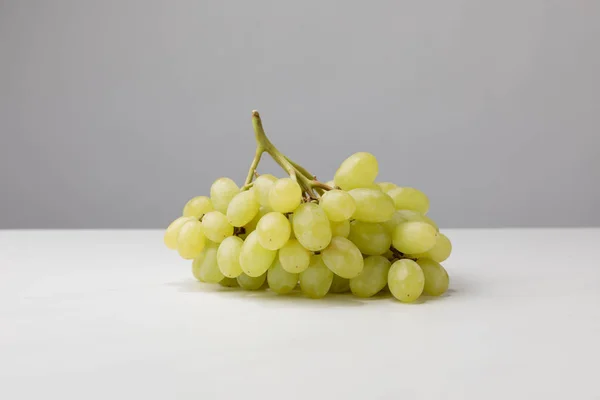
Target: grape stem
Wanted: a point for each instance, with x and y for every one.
(305, 179)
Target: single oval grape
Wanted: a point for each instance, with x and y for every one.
(406, 280)
(273, 230)
(216, 226)
(242, 208)
(228, 256)
(311, 227)
(205, 267)
(285, 195)
(343, 258)
(414, 237)
(173, 230)
(294, 257)
(371, 239)
(316, 280)
(436, 277)
(221, 193)
(372, 205)
(407, 198)
(339, 284)
(262, 187)
(197, 207)
(338, 205)
(251, 282)
(373, 277)
(358, 170)
(340, 228)
(191, 240)
(255, 260)
(440, 251)
(280, 281)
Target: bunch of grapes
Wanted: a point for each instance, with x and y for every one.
(352, 234)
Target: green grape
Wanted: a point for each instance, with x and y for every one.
(371, 239)
(315, 281)
(251, 282)
(229, 282)
(216, 226)
(251, 226)
(281, 281)
(373, 277)
(205, 266)
(312, 227)
(294, 258)
(440, 251)
(414, 237)
(273, 230)
(343, 258)
(172, 232)
(285, 195)
(221, 193)
(255, 260)
(358, 170)
(407, 215)
(406, 280)
(338, 205)
(228, 256)
(197, 207)
(436, 277)
(339, 285)
(407, 198)
(191, 239)
(242, 208)
(340, 228)
(330, 183)
(262, 186)
(386, 186)
(372, 205)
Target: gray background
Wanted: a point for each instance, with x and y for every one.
(114, 113)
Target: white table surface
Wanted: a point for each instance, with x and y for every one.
(113, 314)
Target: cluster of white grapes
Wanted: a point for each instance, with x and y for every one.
(348, 235)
